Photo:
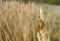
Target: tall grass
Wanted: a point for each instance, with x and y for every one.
(18, 22)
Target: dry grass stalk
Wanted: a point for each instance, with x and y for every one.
(42, 34)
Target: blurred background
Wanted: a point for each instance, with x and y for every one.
(18, 19)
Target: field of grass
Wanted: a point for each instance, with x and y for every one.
(18, 21)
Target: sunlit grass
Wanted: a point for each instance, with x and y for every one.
(18, 22)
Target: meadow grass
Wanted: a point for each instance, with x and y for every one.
(18, 21)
